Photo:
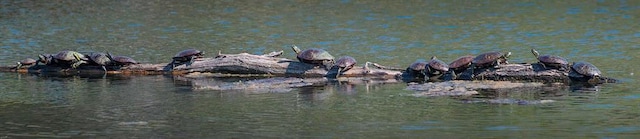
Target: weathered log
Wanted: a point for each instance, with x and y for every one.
(270, 65)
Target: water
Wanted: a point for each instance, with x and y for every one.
(602, 32)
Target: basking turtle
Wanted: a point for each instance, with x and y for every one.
(461, 64)
(555, 62)
(416, 69)
(489, 59)
(344, 64)
(26, 62)
(314, 56)
(436, 68)
(124, 61)
(188, 55)
(72, 58)
(101, 59)
(585, 70)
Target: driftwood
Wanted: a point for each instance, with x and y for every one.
(279, 74)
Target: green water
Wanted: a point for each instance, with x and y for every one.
(393, 33)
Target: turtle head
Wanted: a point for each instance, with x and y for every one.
(434, 58)
(109, 56)
(535, 53)
(506, 55)
(295, 49)
(43, 59)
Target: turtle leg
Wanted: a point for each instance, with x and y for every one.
(453, 75)
(338, 73)
(543, 65)
(104, 68)
(173, 64)
(191, 60)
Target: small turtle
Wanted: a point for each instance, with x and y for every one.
(585, 69)
(461, 64)
(436, 68)
(488, 60)
(344, 64)
(101, 59)
(188, 55)
(124, 61)
(314, 56)
(551, 61)
(416, 68)
(26, 62)
(72, 58)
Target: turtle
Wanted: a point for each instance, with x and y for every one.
(489, 59)
(416, 68)
(26, 62)
(314, 56)
(585, 70)
(436, 68)
(461, 64)
(344, 64)
(552, 61)
(188, 55)
(101, 59)
(72, 58)
(124, 61)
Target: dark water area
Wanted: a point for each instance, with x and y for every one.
(602, 32)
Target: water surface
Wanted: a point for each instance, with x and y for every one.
(602, 32)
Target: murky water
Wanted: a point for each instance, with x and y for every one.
(603, 32)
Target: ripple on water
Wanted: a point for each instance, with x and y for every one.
(502, 128)
(624, 129)
(634, 96)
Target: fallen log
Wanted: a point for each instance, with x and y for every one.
(297, 74)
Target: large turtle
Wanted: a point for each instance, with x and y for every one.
(461, 64)
(124, 61)
(552, 61)
(314, 56)
(26, 62)
(585, 70)
(489, 59)
(416, 69)
(101, 59)
(70, 58)
(188, 55)
(344, 64)
(436, 68)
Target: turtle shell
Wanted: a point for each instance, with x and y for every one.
(487, 59)
(586, 69)
(461, 62)
(314, 56)
(186, 55)
(345, 62)
(551, 60)
(124, 60)
(438, 65)
(100, 58)
(69, 56)
(417, 66)
(27, 61)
